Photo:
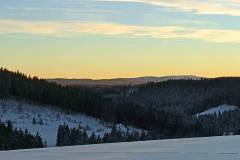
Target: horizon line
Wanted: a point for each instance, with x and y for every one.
(124, 77)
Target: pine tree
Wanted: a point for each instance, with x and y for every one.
(34, 121)
(60, 136)
(85, 137)
(92, 139)
(143, 136)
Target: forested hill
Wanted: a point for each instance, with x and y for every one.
(171, 106)
(18, 85)
(166, 109)
(187, 96)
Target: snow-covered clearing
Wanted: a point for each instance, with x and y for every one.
(46, 119)
(216, 110)
(212, 148)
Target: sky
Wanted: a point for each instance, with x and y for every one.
(120, 38)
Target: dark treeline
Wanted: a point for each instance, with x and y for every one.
(186, 96)
(165, 109)
(168, 107)
(78, 136)
(165, 122)
(18, 85)
(11, 138)
(227, 123)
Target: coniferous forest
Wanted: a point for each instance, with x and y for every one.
(164, 109)
(78, 136)
(11, 138)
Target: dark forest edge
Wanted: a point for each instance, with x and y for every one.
(11, 138)
(78, 136)
(165, 109)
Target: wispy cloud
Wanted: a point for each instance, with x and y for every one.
(227, 7)
(76, 28)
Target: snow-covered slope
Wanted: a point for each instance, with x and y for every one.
(214, 148)
(47, 120)
(217, 110)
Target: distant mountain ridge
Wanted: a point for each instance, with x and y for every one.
(119, 81)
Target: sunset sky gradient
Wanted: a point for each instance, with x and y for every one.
(120, 38)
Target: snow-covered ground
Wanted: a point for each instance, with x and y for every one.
(48, 118)
(213, 148)
(217, 110)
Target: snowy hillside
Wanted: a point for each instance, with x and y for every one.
(212, 148)
(217, 110)
(46, 119)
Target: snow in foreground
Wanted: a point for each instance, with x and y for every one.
(46, 119)
(217, 110)
(214, 148)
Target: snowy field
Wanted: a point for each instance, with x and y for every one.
(46, 119)
(214, 148)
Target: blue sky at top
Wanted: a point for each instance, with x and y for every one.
(133, 13)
